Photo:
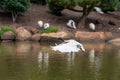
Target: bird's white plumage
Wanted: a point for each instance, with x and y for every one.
(99, 10)
(69, 46)
(46, 25)
(92, 26)
(119, 28)
(40, 23)
(71, 24)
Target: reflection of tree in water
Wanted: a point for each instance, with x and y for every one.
(70, 59)
(92, 55)
(43, 60)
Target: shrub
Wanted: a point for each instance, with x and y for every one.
(49, 30)
(109, 5)
(6, 29)
(56, 6)
(119, 7)
(43, 2)
(15, 7)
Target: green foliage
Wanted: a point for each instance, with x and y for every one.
(15, 6)
(109, 5)
(119, 7)
(84, 3)
(49, 30)
(6, 29)
(38, 1)
(56, 6)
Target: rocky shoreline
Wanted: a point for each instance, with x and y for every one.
(33, 34)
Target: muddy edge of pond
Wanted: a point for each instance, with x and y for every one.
(33, 34)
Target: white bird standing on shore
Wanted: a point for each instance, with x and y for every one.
(71, 24)
(40, 24)
(92, 26)
(69, 46)
(46, 25)
(99, 10)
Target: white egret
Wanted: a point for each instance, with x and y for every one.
(71, 24)
(92, 26)
(40, 24)
(69, 46)
(46, 25)
(99, 10)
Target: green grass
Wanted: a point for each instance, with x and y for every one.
(6, 29)
(49, 30)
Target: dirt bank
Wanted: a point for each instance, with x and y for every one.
(106, 23)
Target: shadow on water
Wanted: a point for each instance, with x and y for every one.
(36, 61)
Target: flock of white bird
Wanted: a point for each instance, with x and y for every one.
(43, 25)
(71, 23)
(70, 45)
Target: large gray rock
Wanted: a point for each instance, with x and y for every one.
(23, 34)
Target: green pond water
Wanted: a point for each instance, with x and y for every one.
(36, 61)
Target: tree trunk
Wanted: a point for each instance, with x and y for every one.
(14, 16)
(81, 23)
(86, 11)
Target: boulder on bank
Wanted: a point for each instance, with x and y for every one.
(116, 40)
(108, 36)
(34, 30)
(61, 34)
(93, 36)
(8, 36)
(55, 37)
(23, 34)
(36, 37)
